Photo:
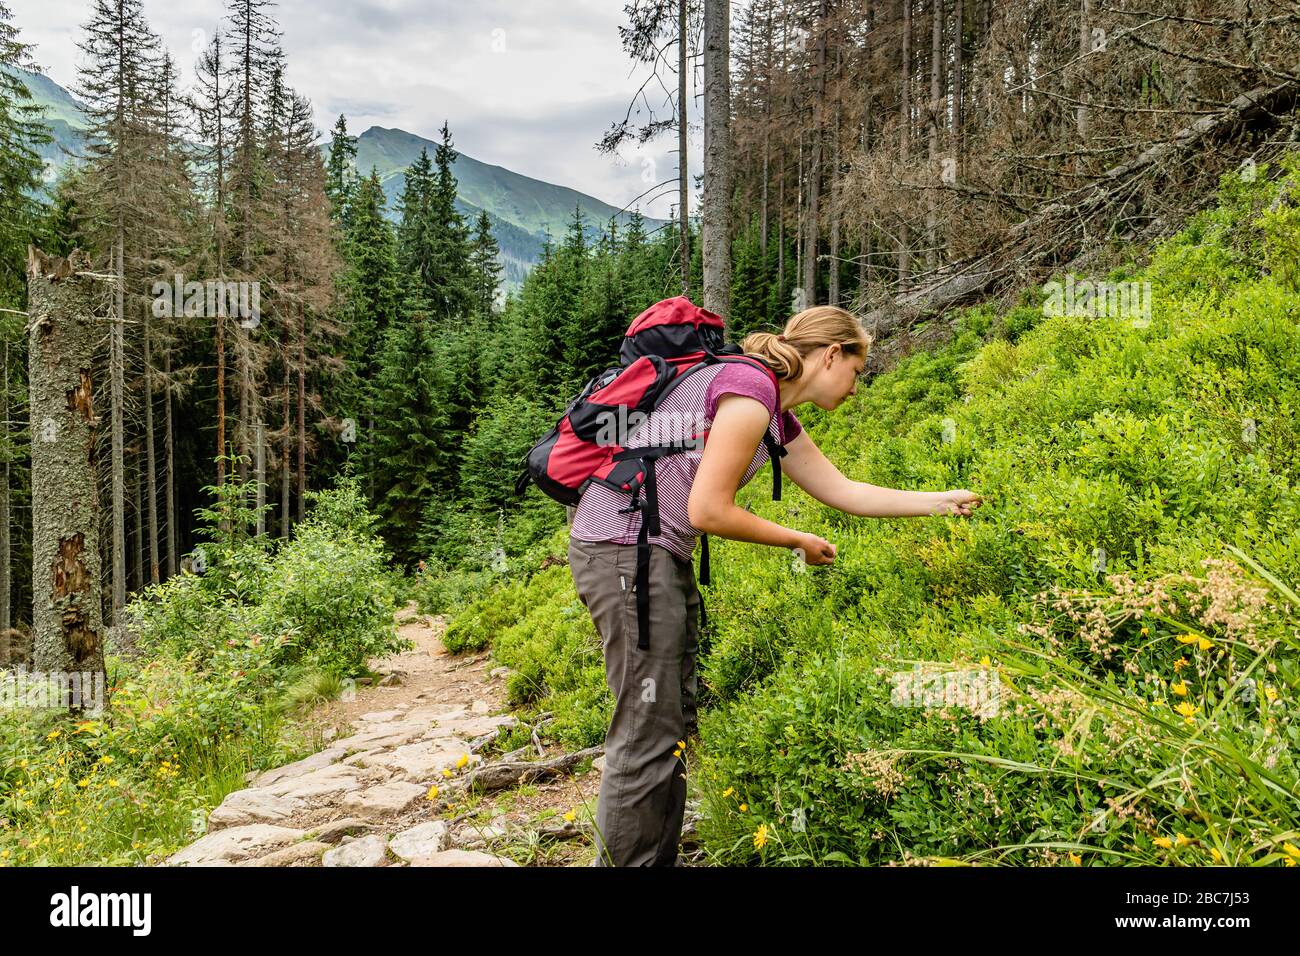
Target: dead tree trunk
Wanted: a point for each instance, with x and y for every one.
(715, 229)
(67, 621)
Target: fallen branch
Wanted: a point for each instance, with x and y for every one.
(502, 775)
(1059, 232)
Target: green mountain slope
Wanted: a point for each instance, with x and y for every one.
(1099, 667)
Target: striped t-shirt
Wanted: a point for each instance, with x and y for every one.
(687, 411)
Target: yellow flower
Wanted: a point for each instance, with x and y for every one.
(1163, 842)
(677, 753)
(681, 745)
(106, 759)
(1180, 840)
(1290, 850)
(1076, 859)
(1205, 644)
(985, 662)
(1180, 688)
(729, 791)
(464, 759)
(1270, 693)
(1145, 631)
(1187, 638)
(53, 734)
(432, 794)
(446, 772)
(744, 808)
(1180, 664)
(1186, 709)
(760, 836)
(1218, 857)
(112, 782)
(570, 816)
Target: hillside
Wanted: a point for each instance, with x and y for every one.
(522, 209)
(1107, 653)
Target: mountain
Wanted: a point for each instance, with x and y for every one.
(521, 209)
(65, 117)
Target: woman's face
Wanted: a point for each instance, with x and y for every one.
(836, 377)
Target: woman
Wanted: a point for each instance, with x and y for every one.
(817, 358)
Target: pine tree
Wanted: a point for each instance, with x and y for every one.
(341, 172)
(452, 281)
(485, 266)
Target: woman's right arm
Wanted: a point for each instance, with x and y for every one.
(734, 437)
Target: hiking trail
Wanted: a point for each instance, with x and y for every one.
(365, 799)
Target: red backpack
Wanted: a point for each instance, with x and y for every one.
(664, 344)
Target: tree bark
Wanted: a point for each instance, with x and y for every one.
(683, 200)
(151, 453)
(67, 621)
(116, 348)
(172, 537)
(715, 232)
(904, 131)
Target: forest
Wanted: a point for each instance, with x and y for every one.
(276, 411)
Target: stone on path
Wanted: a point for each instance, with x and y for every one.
(243, 807)
(235, 844)
(366, 851)
(307, 853)
(424, 840)
(386, 798)
(336, 830)
(299, 767)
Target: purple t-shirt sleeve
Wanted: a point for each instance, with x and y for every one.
(742, 379)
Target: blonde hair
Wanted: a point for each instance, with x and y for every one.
(810, 330)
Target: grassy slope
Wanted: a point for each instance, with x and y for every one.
(1159, 444)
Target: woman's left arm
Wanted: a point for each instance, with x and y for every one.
(812, 471)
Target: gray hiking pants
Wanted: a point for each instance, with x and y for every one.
(643, 788)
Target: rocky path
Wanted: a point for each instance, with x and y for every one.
(409, 777)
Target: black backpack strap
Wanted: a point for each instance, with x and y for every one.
(775, 451)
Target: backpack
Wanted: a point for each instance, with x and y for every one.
(664, 344)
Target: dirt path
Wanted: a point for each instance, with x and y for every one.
(389, 787)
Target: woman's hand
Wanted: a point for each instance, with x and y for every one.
(814, 550)
(959, 501)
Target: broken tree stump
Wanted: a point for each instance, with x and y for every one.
(67, 615)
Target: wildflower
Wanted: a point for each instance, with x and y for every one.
(106, 759)
(1187, 638)
(1205, 644)
(1271, 694)
(1180, 664)
(53, 734)
(446, 772)
(1076, 859)
(1290, 850)
(1163, 842)
(1186, 709)
(1181, 840)
(570, 817)
(760, 836)
(681, 745)
(677, 753)
(985, 662)
(1218, 857)
(729, 791)
(464, 759)
(744, 808)
(432, 794)
(1180, 688)
(1145, 631)
(112, 781)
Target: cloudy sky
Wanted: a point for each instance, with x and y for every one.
(530, 85)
